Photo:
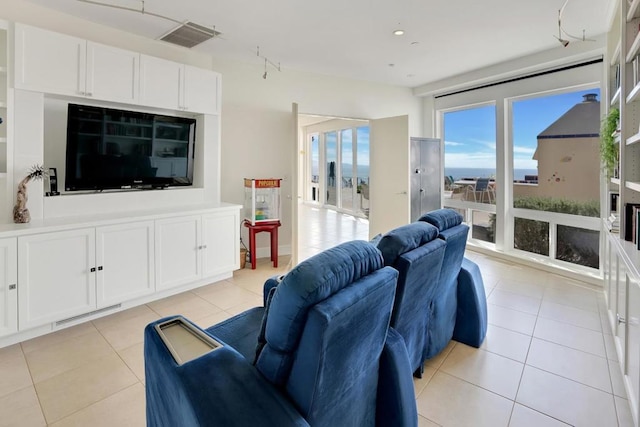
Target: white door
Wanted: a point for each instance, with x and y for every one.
(49, 62)
(220, 241)
(295, 173)
(389, 174)
(125, 262)
(160, 83)
(112, 73)
(57, 276)
(178, 248)
(8, 291)
(201, 90)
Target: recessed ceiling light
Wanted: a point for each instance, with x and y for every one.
(398, 32)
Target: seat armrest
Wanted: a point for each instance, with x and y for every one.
(396, 400)
(272, 282)
(218, 388)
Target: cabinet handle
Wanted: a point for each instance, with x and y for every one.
(89, 93)
(204, 246)
(12, 287)
(99, 268)
(93, 269)
(620, 319)
(81, 92)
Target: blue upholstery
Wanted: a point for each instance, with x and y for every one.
(395, 385)
(328, 354)
(442, 219)
(412, 250)
(219, 388)
(471, 318)
(444, 304)
(240, 332)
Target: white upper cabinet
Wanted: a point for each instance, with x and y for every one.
(50, 62)
(201, 90)
(175, 86)
(112, 73)
(161, 82)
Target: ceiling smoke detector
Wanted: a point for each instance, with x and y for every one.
(190, 35)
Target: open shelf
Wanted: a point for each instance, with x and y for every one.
(634, 94)
(616, 97)
(633, 139)
(615, 58)
(615, 181)
(633, 50)
(633, 11)
(632, 185)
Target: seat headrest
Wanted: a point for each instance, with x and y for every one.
(443, 219)
(404, 239)
(310, 282)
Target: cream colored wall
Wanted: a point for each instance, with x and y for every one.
(569, 168)
(257, 125)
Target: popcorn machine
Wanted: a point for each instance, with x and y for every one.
(262, 200)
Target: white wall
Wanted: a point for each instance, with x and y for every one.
(257, 125)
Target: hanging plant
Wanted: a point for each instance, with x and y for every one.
(20, 212)
(608, 145)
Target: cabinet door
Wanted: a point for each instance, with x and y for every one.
(112, 73)
(8, 281)
(620, 329)
(160, 83)
(178, 251)
(49, 62)
(221, 236)
(201, 90)
(633, 342)
(125, 262)
(56, 281)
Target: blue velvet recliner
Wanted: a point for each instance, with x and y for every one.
(417, 253)
(323, 355)
(443, 310)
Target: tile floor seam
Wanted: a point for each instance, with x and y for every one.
(569, 379)
(479, 386)
(94, 403)
(33, 384)
(572, 348)
(542, 413)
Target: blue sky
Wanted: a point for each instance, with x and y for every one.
(470, 135)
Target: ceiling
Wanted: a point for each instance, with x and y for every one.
(353, 38)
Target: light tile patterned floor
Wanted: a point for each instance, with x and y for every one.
(548, 358)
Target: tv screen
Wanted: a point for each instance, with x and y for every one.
(116, 149)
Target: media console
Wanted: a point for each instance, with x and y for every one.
(62, 272)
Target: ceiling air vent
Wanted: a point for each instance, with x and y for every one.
(190, 35)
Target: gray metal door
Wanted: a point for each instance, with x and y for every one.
(426, 176)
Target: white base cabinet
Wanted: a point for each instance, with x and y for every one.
(8, 286)
(125, 262)
(622, 296)
(60, 273)
(195, 247)
(57, 276)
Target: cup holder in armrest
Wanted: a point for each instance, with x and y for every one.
(184, 341)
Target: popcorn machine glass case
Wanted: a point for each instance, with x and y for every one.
(262, 200)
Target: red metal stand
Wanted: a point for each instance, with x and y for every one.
(272, 228)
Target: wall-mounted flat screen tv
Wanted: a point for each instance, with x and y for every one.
(118, 149)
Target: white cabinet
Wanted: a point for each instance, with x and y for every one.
(51, 62)
(8, 282)
(68, 273)
(220, 243)
(178, 249)
(196, 247)
(56, 277)
(175, 86)
(125, 262)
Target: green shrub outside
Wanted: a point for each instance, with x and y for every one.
(533, 236)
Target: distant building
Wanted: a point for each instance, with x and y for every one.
(568, 155)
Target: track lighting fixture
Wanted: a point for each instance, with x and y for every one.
(563, 41)
(202, 33)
